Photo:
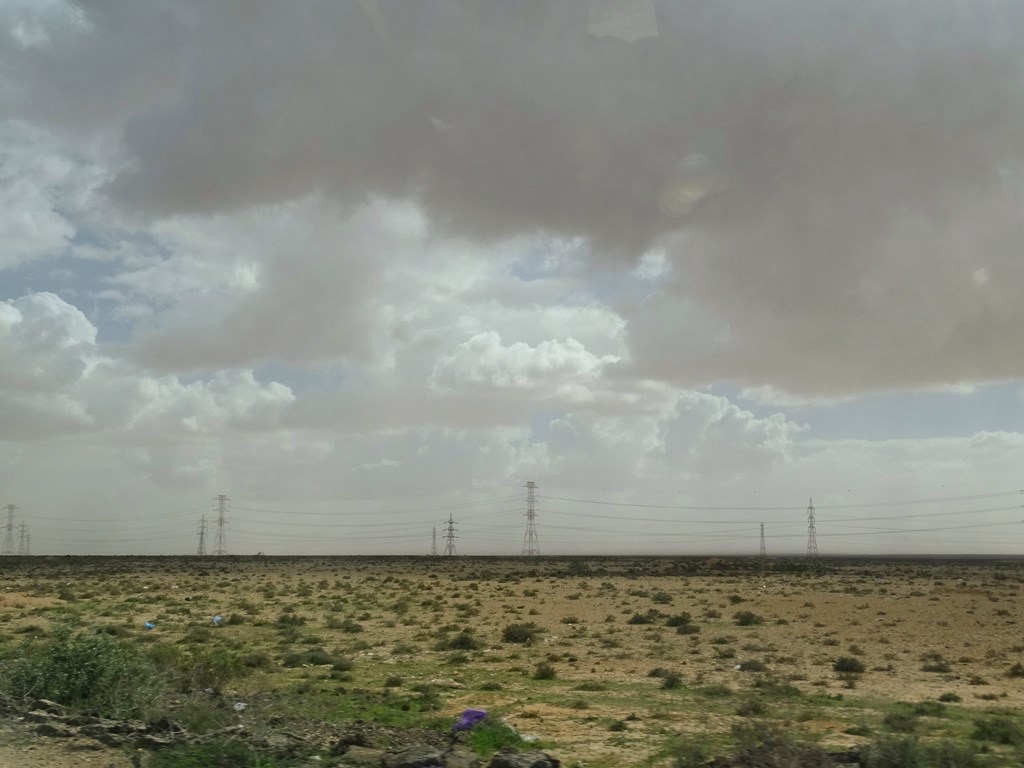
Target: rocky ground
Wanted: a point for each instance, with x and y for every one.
(42, 733)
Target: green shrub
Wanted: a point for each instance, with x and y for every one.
(753, 665)
(288, 619)
(999, 729)
(717, 691)
(747, 618)
(463, 641)
(849, 665)
(544, 671)
(222, 754)
(893, 752)
(86, 671)
(760, 745)
(212, 668)
(671, 681)
(521, 633)
(492, 734)
(901, 722)
(751, 708)
(643, 618)
(692, 753)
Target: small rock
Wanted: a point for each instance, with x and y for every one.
(415, 757)
(151, 741)
(446, 682)
(461, 756)
(51, 729)
(362, 757)
(516, 759)
(49, 706)
(41, 716)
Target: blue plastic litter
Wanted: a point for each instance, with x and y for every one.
(149, 625)
(217, 620)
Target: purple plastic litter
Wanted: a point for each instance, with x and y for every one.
(468, 719)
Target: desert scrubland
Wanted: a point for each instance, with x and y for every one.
(600, 661)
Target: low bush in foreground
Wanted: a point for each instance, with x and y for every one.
(758, 745)
(218, 754)
(492, 735)
(87, 671)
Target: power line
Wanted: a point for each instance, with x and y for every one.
(399, 511)
(863, 505)
(677, 520)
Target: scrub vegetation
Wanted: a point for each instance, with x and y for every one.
(603, 661)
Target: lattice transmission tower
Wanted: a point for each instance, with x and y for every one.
(764, 549)
(8, 545)
(220, 546)
(531, 545)
(812, 534)
(201, 549)
(22, 539)
(449, 538)
(433, 542)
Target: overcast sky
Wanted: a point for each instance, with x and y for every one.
(360, 265)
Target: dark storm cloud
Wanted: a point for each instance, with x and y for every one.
(850, 172)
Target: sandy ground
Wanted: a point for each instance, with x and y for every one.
(892, 616)
(19, 748)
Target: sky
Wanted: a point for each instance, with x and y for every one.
(364, 265)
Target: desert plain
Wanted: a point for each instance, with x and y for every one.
(602, 661)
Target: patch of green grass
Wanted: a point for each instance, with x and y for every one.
(999, 729)
(492, 734)
(222, 754)
(911, 752)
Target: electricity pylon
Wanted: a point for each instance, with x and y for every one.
(531, 545)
